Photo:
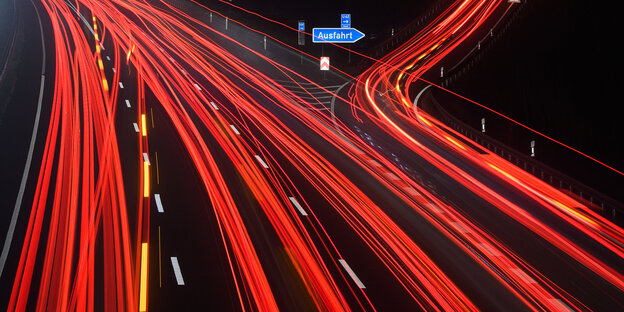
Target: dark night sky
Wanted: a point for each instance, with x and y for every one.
(556, 69)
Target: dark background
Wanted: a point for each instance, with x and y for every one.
(555, 69)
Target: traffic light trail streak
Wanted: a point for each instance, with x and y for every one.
(208, 93)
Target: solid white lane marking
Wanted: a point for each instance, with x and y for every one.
(20, 195)
(159, 205)
(176, 270)
(234, 129)
(460, 227)
(489, 249)
(136, 127)
(146, 158)
(121, 85)
(352, 274)
(262, 162)
(214, 105)
(296, 204)
(128, 103)
(197, 87)
(523, 276)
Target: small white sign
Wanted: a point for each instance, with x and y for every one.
(324, 62)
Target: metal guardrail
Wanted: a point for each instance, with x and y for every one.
(607, 206)
(407, 32)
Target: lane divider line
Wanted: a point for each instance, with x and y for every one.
(296, 204)
(523, 276)
(561, 306)
(159, 205)
(234, 129)
(460, 227)
(433, 208)
(347, 268)
(214, 105)
(128, 104)
(136, 127)
(157, 171)
(121, 85)
(159, 260)
(391, 176)
(262, 162)
(411, 191)
(146, 159)
(176, 270)
(490, 250)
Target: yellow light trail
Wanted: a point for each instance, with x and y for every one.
(143, 125)
(146, 191)
(143, 285)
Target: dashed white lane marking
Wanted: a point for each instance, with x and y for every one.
(128, 103)
(159, 205)
(391, 176)
(121, 85)
(214, 105)
(114, 71)
(374, 163)
(296, 204)
(136, 127)
(176, 270)
(460, 227)
(197, 87)
(234, 129)
(259, 159)
(352, 274)
(433, 208)
(107, 58)
(561, 306)
(411, 191)
(146, 158)
(523, 276)
(489, 249)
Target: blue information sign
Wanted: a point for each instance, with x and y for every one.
(301, 26)
(345, 20)
(336, 35)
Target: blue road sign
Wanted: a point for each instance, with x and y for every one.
(301, 26)
(336, 35)
(345, 20)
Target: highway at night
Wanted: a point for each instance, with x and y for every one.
(172, 156)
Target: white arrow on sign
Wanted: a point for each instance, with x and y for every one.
(324, 62)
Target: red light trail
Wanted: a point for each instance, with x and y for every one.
(208, 93)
